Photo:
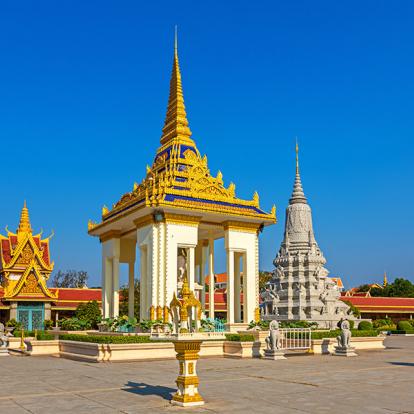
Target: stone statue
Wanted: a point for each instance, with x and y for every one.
(181, 264)
(273, 341)
(270, 299)
(4, 339)
(344, 339)
(344, 347)
(273, 349)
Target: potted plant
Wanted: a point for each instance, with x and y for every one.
(11, 325)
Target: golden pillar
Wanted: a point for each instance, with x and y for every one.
(187, 381)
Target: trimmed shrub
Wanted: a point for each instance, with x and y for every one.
(240, 338)
(107, 339)
(337, 332)
(74, 324)
(404, 326)
(90, 313)
(364, 326)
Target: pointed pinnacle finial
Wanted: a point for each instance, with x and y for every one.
(24, 224)
(385, 280)
(297, 156)
(176, 123)
(176, 40)
(297, 196)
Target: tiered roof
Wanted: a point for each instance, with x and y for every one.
(179, 176)
(25, 262)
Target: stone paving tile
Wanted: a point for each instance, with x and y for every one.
(374, 382)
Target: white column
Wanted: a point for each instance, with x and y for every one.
(211, 277)
(246, 292)
(191, 267)
(143, 284)
(230, 286)
(106, 286)
(115, 287)
(131, 289)
(203, 274)
(237, 286)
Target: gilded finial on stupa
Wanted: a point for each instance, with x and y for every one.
(297, 156)
(385, 283)
(24, 224)
(105, 210)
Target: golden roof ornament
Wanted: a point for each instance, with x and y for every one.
(179, 176)
(24, 224)
(176, 123)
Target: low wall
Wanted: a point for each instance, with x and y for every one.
(327, 345)
(233, 349)
(92, 352)
(42, 347)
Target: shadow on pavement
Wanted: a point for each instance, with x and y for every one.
(141, 388)
(404, 364)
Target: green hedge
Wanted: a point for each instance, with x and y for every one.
(365, 326)
(107, 339)
(240, 338)
(400, 331)
(41, 335)
(334, 334)
(404, 326)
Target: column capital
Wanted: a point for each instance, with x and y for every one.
(109, 235)
(241, 226)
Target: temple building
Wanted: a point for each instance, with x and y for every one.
(169, 222)
(25, 268)
(300, 288)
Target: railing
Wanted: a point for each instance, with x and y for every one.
(295, 338)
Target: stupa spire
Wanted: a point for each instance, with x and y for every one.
(298, 196)
(24, 224)
(176, 123)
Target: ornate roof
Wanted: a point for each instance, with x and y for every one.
(25, 262)
(179, 175)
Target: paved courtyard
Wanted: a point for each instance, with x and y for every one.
(375, 382)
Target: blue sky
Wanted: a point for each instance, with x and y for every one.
(84, 88)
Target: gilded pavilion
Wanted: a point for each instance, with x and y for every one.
(25, 269)
(169, 222)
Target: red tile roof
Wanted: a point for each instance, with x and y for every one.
(381, 304)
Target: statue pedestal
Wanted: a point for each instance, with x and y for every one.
(274, 354)
(4, 352)
(187, 381)
(346, 352)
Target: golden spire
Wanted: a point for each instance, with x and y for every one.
(24, 225)
(385, 280)
(176, 123)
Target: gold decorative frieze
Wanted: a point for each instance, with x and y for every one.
(241, 226)
(172, 218)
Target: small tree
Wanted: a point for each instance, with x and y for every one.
(89, 312)
(123, 299)
(70, 279)
(264, 277)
